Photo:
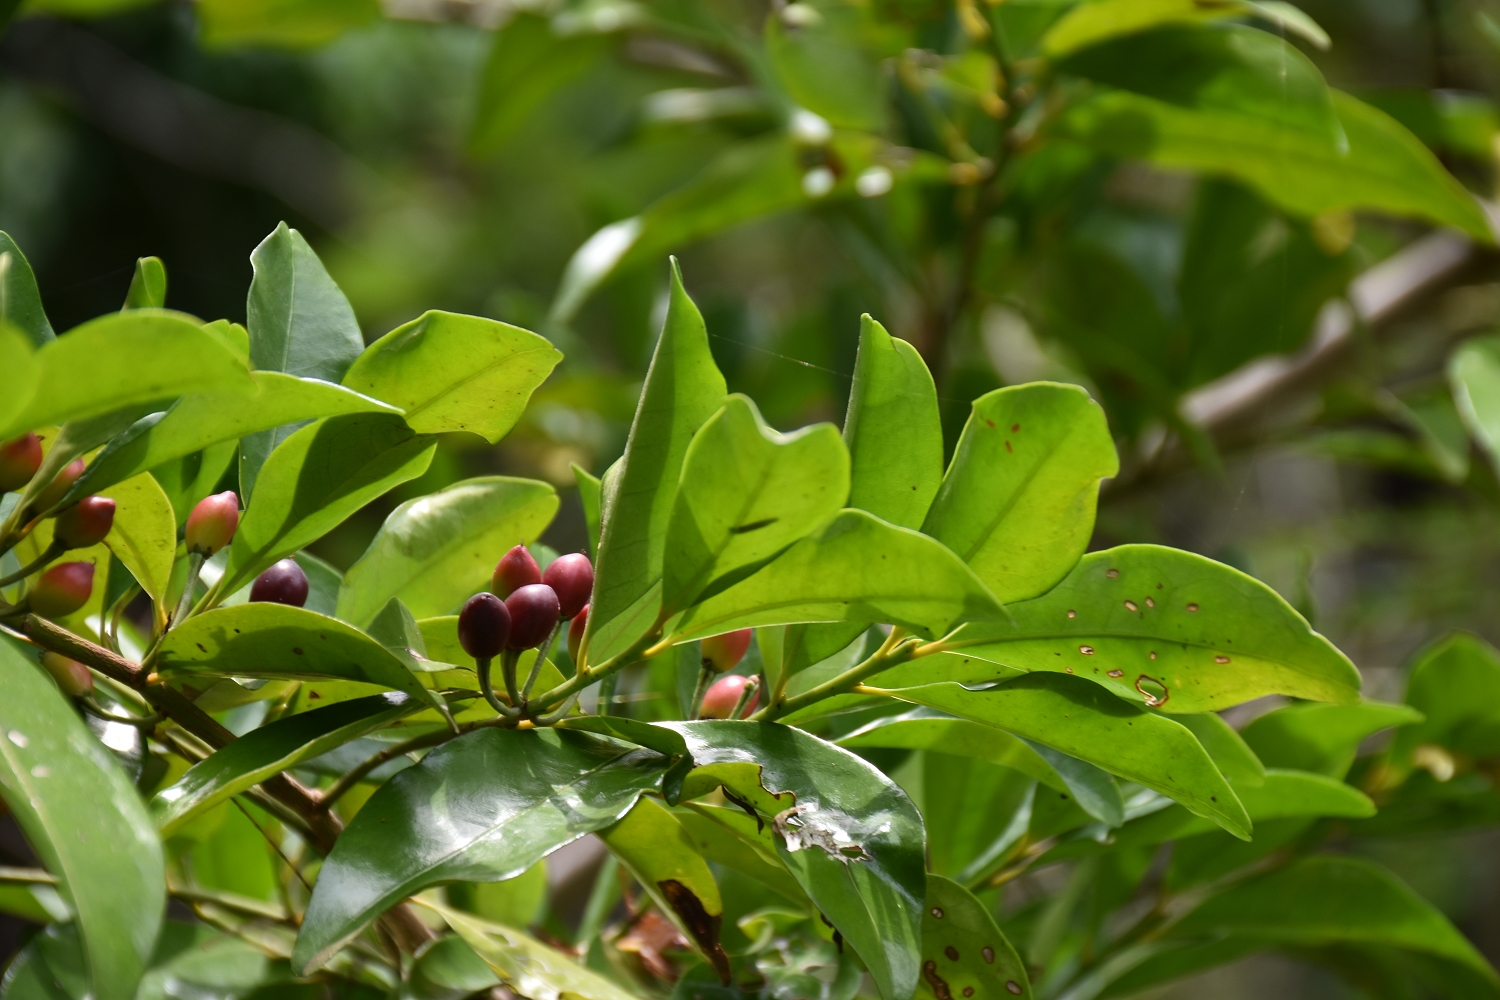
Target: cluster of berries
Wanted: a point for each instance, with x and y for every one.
(524, 605)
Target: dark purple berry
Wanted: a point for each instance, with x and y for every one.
(533, 614)
(571, 577)
(283, 583)
(483, 626)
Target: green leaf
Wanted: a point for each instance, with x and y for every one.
(1474, 374)
(451, 372)
(1455, 684)
(96, 368)
(188, 479)
(295, 24)
(854, 568)
(19, 373)
(589, 496)
(148, 286)
(1091, 23)
(481, 808)
(1329, 900)
(1085, 721)
(849, 835)
(201, 420)
(435, 551)
(299, 323)
(746, 493)
(144, 534)
(823, 65)
(726, 836)
(86, 823)
(963, 952)
(1171, 628)
(1385, 169)
(892, 429)
(530, 968)
(1321, 738)
(1231, 754)
(20, 301)
(657, 850)
(269, 750)
(448, 969)
(316, 479)
(683, 389)
(264, 639)
(1017, 503)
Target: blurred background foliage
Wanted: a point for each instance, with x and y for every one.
(1271, 327)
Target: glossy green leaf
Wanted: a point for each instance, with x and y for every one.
(747, 492)
(589, 495)
(148, 286)
(144, 533)
(86, 823)
(1321, 738)
(1085, 721)
(316, 479)
(1171, 628)
(683, 389)
(806, 645)
(23, 310)
(1455, 684)
(1231, 754)
(823, 65)
(263, 639)
(963, 952)
(1386, 168)
(201, 420)
(1092, 23)
(532, 969)
(726, 836)
(1328, 900)
(96, 368)
(19, 373)
(667, 742)
(850, 836)
(657, 850)
(1017, 503)
(449, 970)
(450, 372)
(857, 568)
(1474, 374)
(892, 430)
(269, 750)
(435, 551)
(481, 808)
(281, 23)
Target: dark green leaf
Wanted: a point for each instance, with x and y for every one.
(23, 302)
(435, 551)
(148, 286)
(85, 822)
(317, 478)
(1170, 628)
(449, 970)
(1085, 721)
(270, 750)
(747, 492)
(481, 808)
(1455, 683)
(1321, 738)
(854, 568)
(1017, 503)
(963, 952)
(728, 837)
(850, 836)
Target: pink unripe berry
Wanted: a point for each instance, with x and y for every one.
(483, 626)
(19, 460)
(73, 677)
(721, 697)
(724, 652)
(61, 483)
(63, 589)
(212, 523)
(283, 583)
(571, 577)
(576, 630)
(515, 570)
(85, 523)
(533, 613)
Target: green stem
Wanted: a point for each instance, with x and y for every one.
(746, 693)
(185, 603)
(536, 666)
(705, 675)
(508, 661)
(607, 695)
(898, 648)
(610, 666)
(486, 688)
(52, 552)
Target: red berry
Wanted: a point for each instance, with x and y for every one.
(85, 523)
(63, 589)
(723, 652)
(61, 483)
(533, 612)
(483, 626)
(572, 578)
(19, 460)
(516, 569)
(575, 631)
(212, 523)
(73, 677)
(724, 694)
(283, 583)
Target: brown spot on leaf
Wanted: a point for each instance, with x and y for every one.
(1011, 986)
(1192, 607)
(1014, 428)
(1112, 573)
(968, 991)
(200, 647)
(1072, 613)
(989, 421)
(1131, 606)
(951, 952)
(1150, 603)
(297, 650)
(1147, 685)
(741, 529)
(1221, 659)
(937, 913)
(938, 984)
(703, 926)
(988, 953)
(1008, 449)
(1117, 673)
(1086, 650)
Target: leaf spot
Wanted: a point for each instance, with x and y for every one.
(741, 529)
(1116, 673)
(1150, 603)
(968, 991)
(1014, 428)
(989, 421)
(297, 650)
(1086, 650)
(1153, 654)
(1131, 606)
(1221, 659)
(1112, 573)
(1150, 693)
(19, 739)
(939, 986)
(1072, 613)
(1011, 986)
(988, 953)
(937, 913)
(201, 647)
(1009, 449)
(1192, 607)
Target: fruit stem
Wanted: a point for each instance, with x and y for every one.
(482, 670)
(705, 675)
(185, 603)
(746, 693)
(508, 661)
(536, 666)
(898, 648)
